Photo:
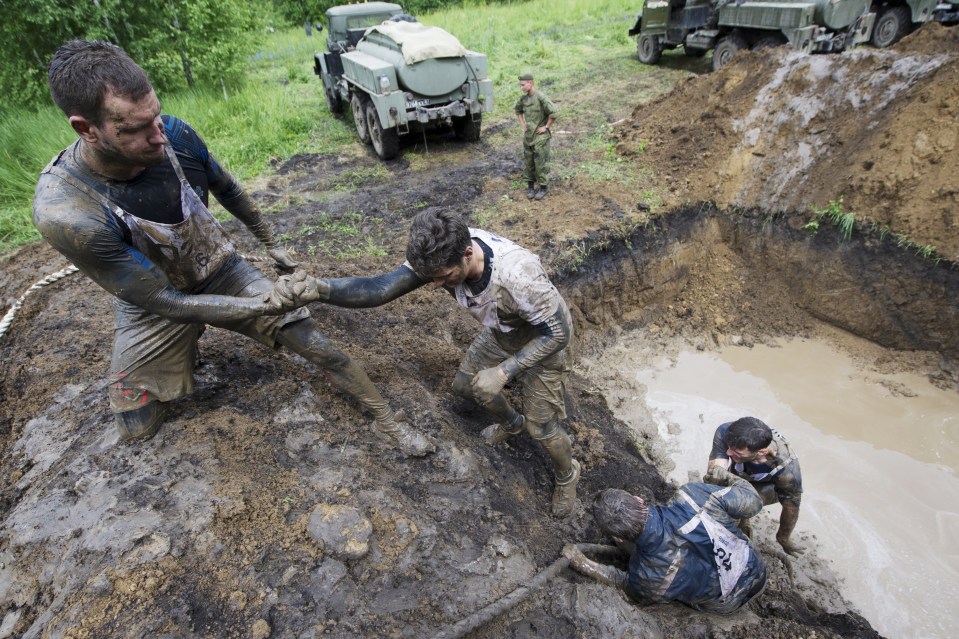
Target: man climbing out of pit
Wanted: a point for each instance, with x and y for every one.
(527, 335)
(688, 550)
(750, 449)
(126, 203)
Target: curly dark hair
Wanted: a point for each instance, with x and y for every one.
(438, 240)
(750, 433)
(620, 514)
(82, 71)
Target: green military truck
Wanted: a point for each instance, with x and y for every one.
(398, 76)
(896, 18)
(811, 26)
(727, 26)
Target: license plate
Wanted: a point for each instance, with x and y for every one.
(412, 104)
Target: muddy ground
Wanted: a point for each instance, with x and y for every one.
(266, 508)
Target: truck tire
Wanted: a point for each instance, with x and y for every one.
(769, 42)
(358, 106)
(467, 129)
(648, 49)
(386, 142)
(332, 99)
(726, 49)
(891, 25)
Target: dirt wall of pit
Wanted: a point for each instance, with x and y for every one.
(667, 275)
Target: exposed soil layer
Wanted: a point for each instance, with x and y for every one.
(784, 131)
(215, 527)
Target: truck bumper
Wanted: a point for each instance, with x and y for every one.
(457, 109)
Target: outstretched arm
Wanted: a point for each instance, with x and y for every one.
(603, 573)
(351, 292)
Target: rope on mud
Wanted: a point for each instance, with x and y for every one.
(54, 277)
(49, 279)
(487, 614)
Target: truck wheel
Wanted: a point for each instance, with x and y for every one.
(333, 100)
(467, 129)
(358, 105)
(648, 49)
(386, 142)
(890, 26)
(726, 49)
(769, 42)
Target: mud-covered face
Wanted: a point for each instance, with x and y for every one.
(131, 132)
(744, 455)
(451, 276)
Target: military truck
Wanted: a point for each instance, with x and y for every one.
(398, 76)
(727, 26)
(896, 18)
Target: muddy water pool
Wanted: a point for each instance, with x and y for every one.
(879, 455)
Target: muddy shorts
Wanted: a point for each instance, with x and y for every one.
(154, 358)
(543, 386)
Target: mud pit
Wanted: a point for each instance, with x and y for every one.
(213, 527)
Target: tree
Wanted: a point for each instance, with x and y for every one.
(180, 43)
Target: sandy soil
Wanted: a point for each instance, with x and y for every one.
(266, 508)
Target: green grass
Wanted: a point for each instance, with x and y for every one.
(836, 215)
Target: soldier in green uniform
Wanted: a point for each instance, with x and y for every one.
(536, 113)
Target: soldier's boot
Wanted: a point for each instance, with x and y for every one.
(530, 190)
(391, 426)
(502, 432)
(541, 193)
(566, 469)
(397, 430)
(142, 423)
(564, 493)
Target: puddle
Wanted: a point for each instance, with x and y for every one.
(879, 455)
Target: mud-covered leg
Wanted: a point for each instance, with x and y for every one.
(509, 421)
(566, 469)
(303, 338)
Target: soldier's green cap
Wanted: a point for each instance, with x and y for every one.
(526, 76)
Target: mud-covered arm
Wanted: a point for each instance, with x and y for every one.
(375, 290)
(552, 336)
(603, 573)
(229, 193)
(740, 501)
(789, 493)
(93, 241)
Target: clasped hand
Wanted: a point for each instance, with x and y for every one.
(294, 290)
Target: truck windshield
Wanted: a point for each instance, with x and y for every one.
(362, 22)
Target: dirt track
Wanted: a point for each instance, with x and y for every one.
(211, 529)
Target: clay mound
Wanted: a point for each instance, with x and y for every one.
(787, 132)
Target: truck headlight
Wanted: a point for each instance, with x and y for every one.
(384, 83)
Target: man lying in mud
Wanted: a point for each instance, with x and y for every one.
(688, 550)
(527, 335)
(126, 203)
(750, 449)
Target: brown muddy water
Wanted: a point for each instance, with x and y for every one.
(879, 454)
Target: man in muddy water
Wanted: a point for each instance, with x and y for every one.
(126, 203)
(688, 550)
(527, 335)
(750, 449)
(536, 113)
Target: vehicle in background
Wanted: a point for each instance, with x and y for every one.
(399, 75)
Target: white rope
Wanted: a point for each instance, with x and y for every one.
(49, 279)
